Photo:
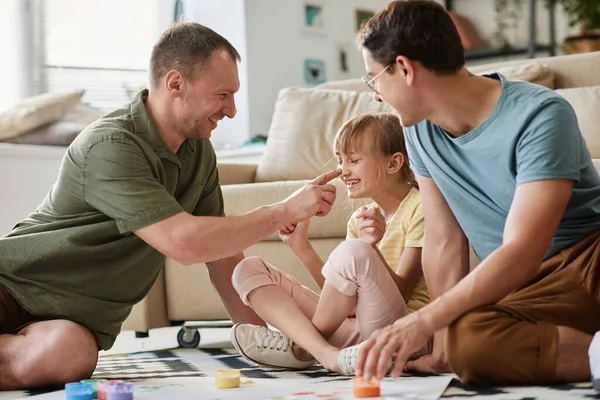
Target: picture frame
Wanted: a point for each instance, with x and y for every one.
(362, 15)
(314, 17)
(315, 71)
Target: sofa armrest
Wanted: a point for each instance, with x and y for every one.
(236, 173)
(240, 199)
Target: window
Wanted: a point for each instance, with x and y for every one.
(101, 46)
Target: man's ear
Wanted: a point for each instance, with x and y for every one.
(406, 67)
(174, 82)
(395, 163)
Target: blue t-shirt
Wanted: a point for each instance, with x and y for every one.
(532, 134)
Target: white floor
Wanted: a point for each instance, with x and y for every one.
(166, 338)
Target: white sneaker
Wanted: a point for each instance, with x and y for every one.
(348, 357)
(347, 360)
(265, 346)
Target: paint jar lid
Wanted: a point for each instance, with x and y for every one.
(118, 387)
(102, 383)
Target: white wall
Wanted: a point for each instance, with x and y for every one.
(16, 47)
(228, 19)
(278, 44)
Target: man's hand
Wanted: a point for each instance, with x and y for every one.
(371, 225)
(295, 236)
(314, 198)
(399, 340)
(434, 363)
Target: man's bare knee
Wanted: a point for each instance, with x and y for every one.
(55, 352)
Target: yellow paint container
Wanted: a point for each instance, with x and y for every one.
(227, 378)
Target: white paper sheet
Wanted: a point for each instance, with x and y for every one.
(429, 388)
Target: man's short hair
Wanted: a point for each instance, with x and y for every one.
(186, 47)
(420, 30)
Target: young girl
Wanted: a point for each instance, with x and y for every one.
(376, 272)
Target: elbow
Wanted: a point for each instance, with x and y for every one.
(183, 250)
(527, 259)
(531, 267)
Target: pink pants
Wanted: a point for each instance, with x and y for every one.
(353, 268)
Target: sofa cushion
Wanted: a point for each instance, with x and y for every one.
(302, 130)
(531, 72)
(59, 133)
(586, 103)
(63, 131)
(353, 84)
(240, 199)
(36, 111)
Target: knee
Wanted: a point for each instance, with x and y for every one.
(352, 254)
(470, 347)
(247, 268)
(61, 352)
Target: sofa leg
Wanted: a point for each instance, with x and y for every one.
(141, 335)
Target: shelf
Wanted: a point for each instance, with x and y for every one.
(478, 54)
(530, 49)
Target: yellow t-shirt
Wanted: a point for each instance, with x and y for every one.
(405, 229)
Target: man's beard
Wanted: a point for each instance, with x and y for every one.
(193, 129)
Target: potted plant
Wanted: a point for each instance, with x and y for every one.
(586, 14)
(507, 16)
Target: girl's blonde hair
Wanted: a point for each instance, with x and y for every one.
(379, 133)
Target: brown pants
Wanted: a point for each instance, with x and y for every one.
(514, 341)
(13, 317)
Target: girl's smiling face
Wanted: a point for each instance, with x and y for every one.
(361, 173)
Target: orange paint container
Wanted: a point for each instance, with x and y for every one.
(363, 388)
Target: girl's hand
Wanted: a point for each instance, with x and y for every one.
(295, 235)
(371, 225)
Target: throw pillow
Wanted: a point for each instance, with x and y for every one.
(302, 130)
(355, 84)
(530, 72)
(586, 103)
(36, 111)
(63, 131)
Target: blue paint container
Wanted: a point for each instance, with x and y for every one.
(79, 391)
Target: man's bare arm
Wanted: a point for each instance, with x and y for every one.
(190, 239)
(534, 217)
(445, 249)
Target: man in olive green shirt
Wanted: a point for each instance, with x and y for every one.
(135, 186)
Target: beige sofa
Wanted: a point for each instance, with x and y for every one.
(299, 148)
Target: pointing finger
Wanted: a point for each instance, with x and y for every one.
(326, 177)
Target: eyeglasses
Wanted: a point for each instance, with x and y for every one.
(372, 82)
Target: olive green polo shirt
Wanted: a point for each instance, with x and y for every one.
(76, 257)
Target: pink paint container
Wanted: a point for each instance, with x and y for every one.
(101, 387)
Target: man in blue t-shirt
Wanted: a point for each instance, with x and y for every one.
(500, 164)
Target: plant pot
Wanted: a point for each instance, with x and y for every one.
(583, 43)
